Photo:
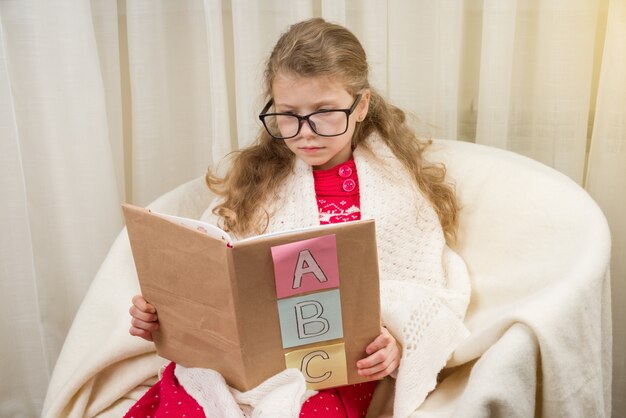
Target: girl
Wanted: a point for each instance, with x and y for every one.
(333, 150)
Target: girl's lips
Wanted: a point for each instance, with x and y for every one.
(310, 149)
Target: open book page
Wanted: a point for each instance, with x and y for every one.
(203, 227)
(272, 234)
(219, 233)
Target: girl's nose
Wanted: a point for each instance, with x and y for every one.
(306, 131)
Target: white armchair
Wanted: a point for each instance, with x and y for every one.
(537, 248)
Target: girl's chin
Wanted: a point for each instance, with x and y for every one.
(316, 163)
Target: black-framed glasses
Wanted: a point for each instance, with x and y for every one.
(326, 122)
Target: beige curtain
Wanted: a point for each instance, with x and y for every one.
(121, 100)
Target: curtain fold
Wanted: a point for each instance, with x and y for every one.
(26, 363)
(59, 209)
(220, 85)
(169, 90)
(606, 178)
(496, 72)
(423, 77)
(121, 100)
(535, 80)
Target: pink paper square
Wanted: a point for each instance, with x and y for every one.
(306, 266)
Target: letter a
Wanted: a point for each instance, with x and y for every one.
(307, 264)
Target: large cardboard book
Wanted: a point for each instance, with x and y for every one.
(249, 309)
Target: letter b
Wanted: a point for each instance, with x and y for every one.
(310, 318)
(310, 325)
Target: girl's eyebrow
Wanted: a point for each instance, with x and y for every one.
(321, 103)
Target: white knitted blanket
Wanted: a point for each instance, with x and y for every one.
(536, 246)
(280, 396)
(424, 285)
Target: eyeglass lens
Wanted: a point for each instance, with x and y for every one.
(324, 123)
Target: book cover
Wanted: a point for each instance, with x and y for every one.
(307, 298)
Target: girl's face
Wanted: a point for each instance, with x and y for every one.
(305, 95)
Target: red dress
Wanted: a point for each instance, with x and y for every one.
(338, 200)
(337, 192)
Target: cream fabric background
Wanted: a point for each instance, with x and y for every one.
(108, 101)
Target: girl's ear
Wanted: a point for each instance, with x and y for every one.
(364, 105)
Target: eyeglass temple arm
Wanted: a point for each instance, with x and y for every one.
(357, 99)
(266, 108)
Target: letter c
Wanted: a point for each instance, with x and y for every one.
(305, 364)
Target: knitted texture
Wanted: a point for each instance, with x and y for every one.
(337, 202)
(425, 286)
(280, 396)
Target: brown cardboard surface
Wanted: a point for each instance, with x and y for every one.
(185, 275)
(217, 304)
(360, 300)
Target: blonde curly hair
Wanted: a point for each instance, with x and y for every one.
(316, 48)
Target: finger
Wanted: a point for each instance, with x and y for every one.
(385, 355)
(386, 372)
(144, 316)
(383, 340)
(369, 371)
(136, 332)
(379, 361)
(372, 360)
(142, 304)
(147, 326)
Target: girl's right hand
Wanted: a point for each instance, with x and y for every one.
(144, 318)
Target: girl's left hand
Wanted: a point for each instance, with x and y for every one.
(383, 357)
